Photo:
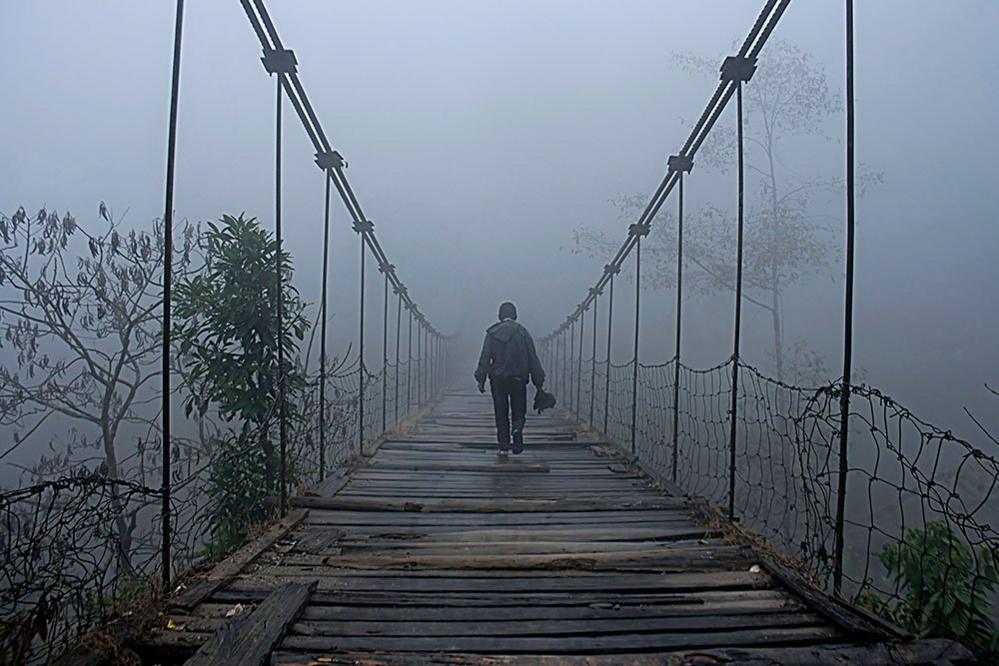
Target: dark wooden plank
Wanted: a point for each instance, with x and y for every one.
(249, 640)
(936, 651)
(564, 644)
(228, 568)
(478, 506)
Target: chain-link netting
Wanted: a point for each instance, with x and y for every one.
(919, 508)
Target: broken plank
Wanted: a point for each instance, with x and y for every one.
(250, 640)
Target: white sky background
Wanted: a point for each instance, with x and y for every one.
(479, 135)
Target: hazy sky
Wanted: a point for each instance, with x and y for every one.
(479, 135)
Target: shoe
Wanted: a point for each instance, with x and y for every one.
(518, 442)
(502, 454)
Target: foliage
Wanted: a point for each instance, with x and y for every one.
(237, 490)
(228, 334)
(947, 587)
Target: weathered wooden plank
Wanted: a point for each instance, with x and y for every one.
(554, 628)
(249, 640)
(937, 651)
(228, 568)
(564, 644)
(639, 582)
(477, 506)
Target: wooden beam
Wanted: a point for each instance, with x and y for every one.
(228, 568)
(249, 640)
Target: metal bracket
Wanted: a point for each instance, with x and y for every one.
(386, 268)
(639, 229)
(279, 61)
(612, 269)
(680, 163)
(364, 226)
(738, 68)
(330, 160)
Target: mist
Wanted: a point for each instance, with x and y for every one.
(480, 138)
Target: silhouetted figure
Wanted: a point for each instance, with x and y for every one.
(508, 359)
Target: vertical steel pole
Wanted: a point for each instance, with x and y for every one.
(593, 364)
(360, 351)
(419, 364)
(171, 163)
(398, 339)
(679, 320)
(385, 355)
(610, 330)
(569, 367)
(579, 364)
(634, 373)
(844, 403)
(322, 334)
(734, 407)
(279, 278)
(409, 365)
(428, 366)
(565, 368)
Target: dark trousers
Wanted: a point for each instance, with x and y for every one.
(509, 399)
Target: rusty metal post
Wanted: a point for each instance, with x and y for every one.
(844, 401)
(165, 489)
(613, 270)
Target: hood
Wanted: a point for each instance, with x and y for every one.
(504, 330)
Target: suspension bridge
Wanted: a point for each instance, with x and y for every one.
(663, 514)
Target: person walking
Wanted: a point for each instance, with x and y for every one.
(508, 360)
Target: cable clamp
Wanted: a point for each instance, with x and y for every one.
(612, 269)
(639, 229)
(738, 68)
(386, 268)
(364, 226)
(682, 163)
(279, 61)
(330, 159)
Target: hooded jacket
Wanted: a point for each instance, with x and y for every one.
(508, 351)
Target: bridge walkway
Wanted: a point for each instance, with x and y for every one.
(432, 550)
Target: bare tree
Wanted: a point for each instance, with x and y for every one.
(785, 237)
(81, 308)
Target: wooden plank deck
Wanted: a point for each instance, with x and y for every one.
(435, 551)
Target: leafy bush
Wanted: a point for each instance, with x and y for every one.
(947, 588)
(237, 491)
(228, 332)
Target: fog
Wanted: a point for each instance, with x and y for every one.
(480, 136)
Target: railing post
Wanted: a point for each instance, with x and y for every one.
(571, 361)
(419, 363)
(844, 401)
(361, 228)
(322, 334)
(612, 270)
(385, 270)
(737, 69)
(398, 339)
(593, 364)
(165, 509)
(280, 62)
(638, 230)
(409, 364)
(579, 364)
(680, 164)
(327, 161)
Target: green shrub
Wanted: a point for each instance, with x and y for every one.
(237, 490)
(946, 588)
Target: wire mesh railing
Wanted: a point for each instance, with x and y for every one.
(921, 505)
(77, 549)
